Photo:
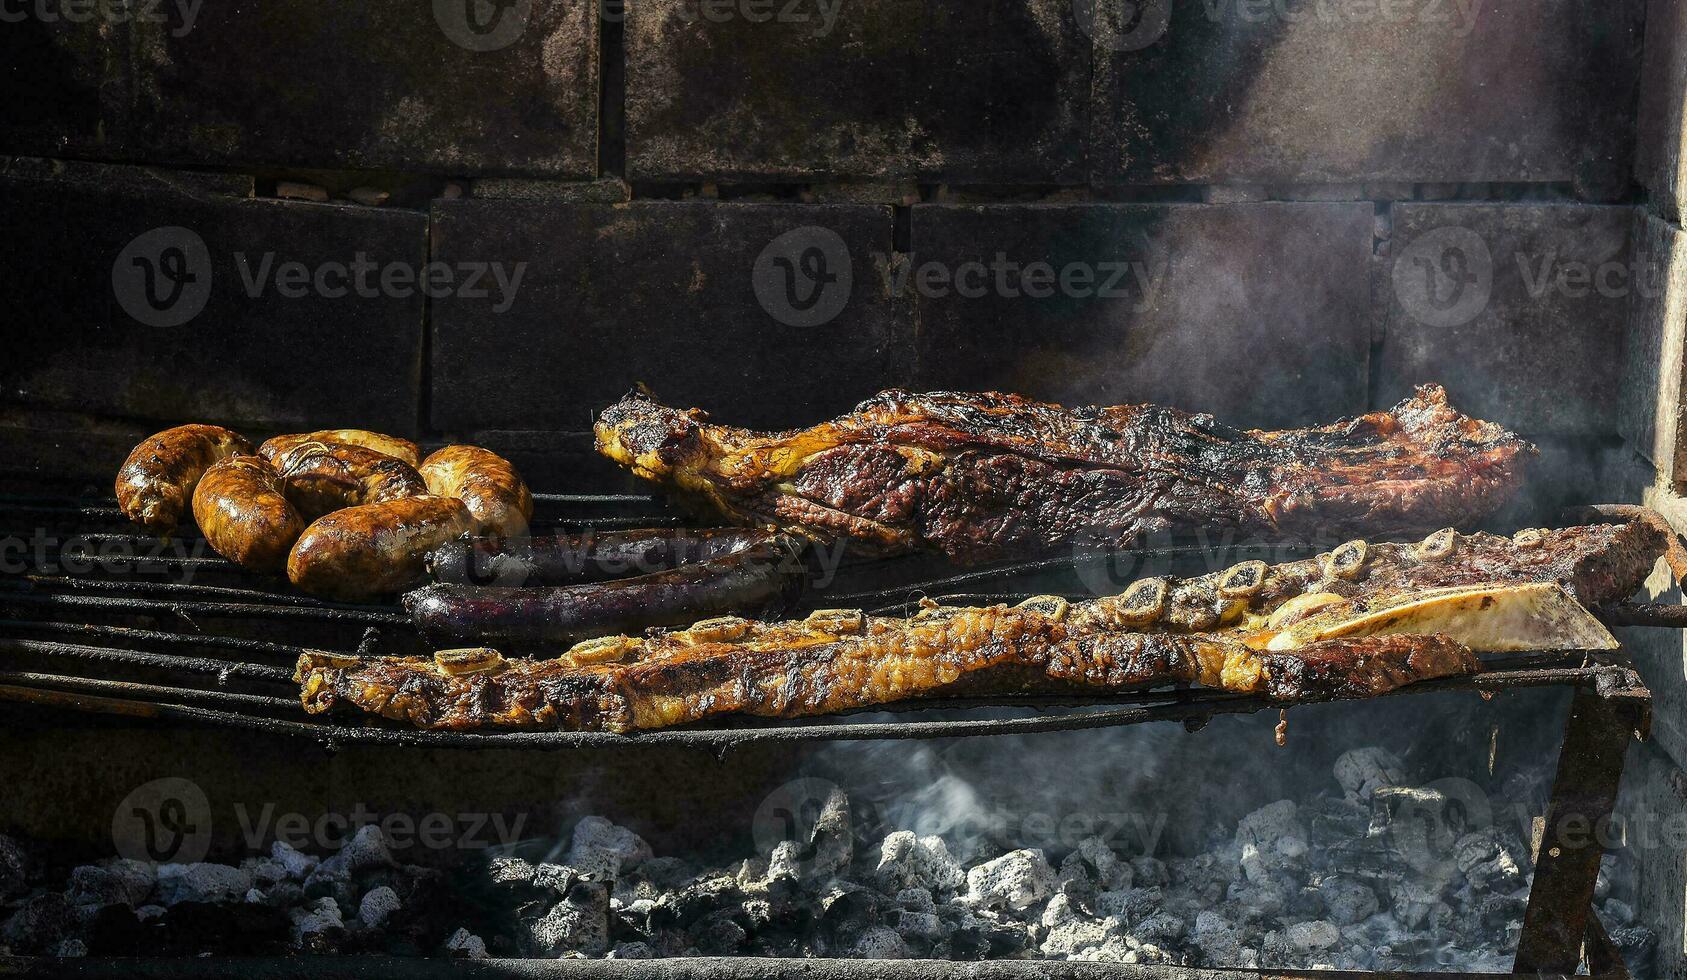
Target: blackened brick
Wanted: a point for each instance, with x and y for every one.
(1254, 312)
(664, 293)
(955, 90)
(262, 360)
(1519, 309)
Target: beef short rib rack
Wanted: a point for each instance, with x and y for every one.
(1220, 630)
(989, 476)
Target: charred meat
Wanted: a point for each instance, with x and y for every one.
(988, 476)
(1225, 630)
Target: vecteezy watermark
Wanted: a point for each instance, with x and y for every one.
(48, 554)
(804, 277)
(105, 12)
(1136, 280)
(1127, 25)
(1444, 277)
(483, 25)
(1459, 15)
(169, 820)
(367, 279)
(166, 820)
(436, 831)
(163, 278)
(823, 14)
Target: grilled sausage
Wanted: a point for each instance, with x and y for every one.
(155, 486)
(244, 515)
(764, 576)
(374, 549)
(393, 446)
(486, 483)
(323, 477)
(591, 557)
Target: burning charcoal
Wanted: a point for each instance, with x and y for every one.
(329, 880)
(1361, 772)
(578, 923)
(298, 865)
(694, 900)
(508, 872)
(264, 871)
(14, 867)
(378, 906)
(39, 924)
(1159, 928)
(71, 949)
(907, 861)
(880, 943)
(1617, 912)
(601, 849)
(1071, 932)
(1485, 861)
(1106, 870)
(1414, 901)
(1271, 838)
(1347, 900)
(201, 883)
(922, 926)
(254, 897)
(146, 913)
(465, 945)
(1016, 880)
(1207, 876)
(366, 849)
(320, 928)
(717, 934)
(1220, 942)
(116, 882)
(283, 895)
(1149, 871)
(1130, 904)
(916, 900)
(1269, 895)
(1318, 934)
(631, 951)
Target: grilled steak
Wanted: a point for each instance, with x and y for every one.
(1215, 630)
(987, 476)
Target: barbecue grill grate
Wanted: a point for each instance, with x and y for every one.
(100, 619)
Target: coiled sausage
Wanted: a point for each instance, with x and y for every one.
(393, 446)
(244, 515)
(323, 477)
(156, 484)
(374, 549)
(486, 482)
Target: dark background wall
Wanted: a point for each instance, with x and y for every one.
(1279, 212)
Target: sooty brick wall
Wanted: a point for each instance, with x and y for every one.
(1308, 91)
(157, 299)
(1255, 312)
(387, 84)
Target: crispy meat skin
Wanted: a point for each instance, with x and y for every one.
(987, 476)
(838, 662)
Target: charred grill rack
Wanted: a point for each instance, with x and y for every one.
(94, 618)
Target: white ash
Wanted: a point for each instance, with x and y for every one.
(601, 849)
(377, 906)
(466, 945)
(1327, 881)
(201, 882)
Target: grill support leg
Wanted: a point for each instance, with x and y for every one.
(1584, 793)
